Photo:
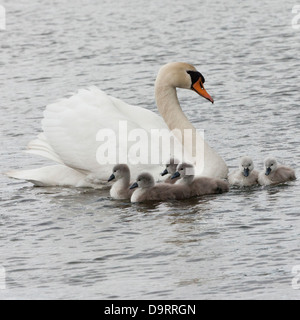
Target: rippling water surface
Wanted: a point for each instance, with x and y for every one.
(68, 243)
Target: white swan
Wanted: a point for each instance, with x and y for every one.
(71, 129)
(245, 176)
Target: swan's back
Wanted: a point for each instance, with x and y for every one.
(161, 192)
(283, 174)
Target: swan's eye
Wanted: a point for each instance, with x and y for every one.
(181, 169)
(195, 76)
(115, 171)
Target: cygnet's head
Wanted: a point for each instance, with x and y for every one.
(184, 171)
(144, 180)
(182, 75)
(170, 167)
(120, 171)
(271, 165)
(246, 166)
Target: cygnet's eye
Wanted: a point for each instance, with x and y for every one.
(272, 164)
(181, 169)
(115, 171)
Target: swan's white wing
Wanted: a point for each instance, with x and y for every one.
(71, 126)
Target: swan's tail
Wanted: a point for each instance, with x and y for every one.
(53, 176)
(41, 147)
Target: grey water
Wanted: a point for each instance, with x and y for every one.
(60, 243)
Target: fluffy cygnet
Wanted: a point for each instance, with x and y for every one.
(121, 188)
(275, 173)
(170, 170)
(146, 190)
(199, 186)
(246, 176)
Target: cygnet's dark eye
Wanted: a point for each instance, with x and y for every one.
(181, 169)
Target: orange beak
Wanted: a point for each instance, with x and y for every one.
(199, 88)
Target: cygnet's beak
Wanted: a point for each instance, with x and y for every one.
(134, 186)
(175, 175)
(199, 88)
(112, 177)
(246, 172)
(269, 170)
(165, 172)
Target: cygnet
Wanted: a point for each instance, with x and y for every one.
(146, 190)
(198, 186)
(245, 176)
(170, 170)
(275, 173)
(120, 190)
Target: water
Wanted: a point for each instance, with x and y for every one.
(68, 243)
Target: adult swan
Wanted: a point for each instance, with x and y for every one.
(71, 133)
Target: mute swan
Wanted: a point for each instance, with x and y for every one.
(199, 186)
(71, 132)
(147, 190)
(246, 176)
(275, 174)
(120, 189)
(170, 170)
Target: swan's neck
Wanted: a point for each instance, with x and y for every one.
(124, 182)
(209, 163)
(169, 108)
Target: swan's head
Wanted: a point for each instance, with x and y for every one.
(171, 167)
(271, 165)
(246, 166)
(182, 75)
(184, 171)
(144, 180)
(120, 171)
